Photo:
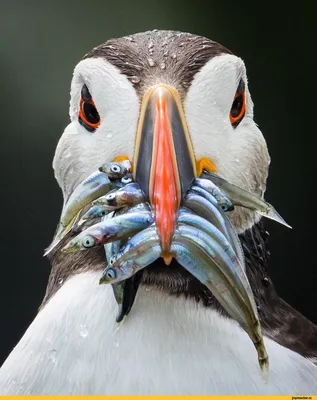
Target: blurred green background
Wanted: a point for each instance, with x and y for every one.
(41, 42)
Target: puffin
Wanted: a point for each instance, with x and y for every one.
(169, 102)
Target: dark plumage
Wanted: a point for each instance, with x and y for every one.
(146, 57)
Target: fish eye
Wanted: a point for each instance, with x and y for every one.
(225, 206)
(115, 168)
(110, 196)
(112, 260)
(111, 274)
(126, 179)
(103, 213)
(88, 241)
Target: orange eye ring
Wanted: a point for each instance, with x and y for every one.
(237, 111)
(88, 115)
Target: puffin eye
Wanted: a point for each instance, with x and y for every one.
(88, 114)
(115, 168)
(88, 241)
(238, 106)
(111, 274)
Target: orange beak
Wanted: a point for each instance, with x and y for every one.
(164, 162)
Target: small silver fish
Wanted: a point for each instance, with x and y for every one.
(140, 251)
(243, 198)
(95, 212)
(110, 230)
(196, 261)
(207, 209)
(222, 199)
(227, 263)
(96, 185)
(187, 217)
(124, 291)
(116, 170)
(113, 248)
(129, 195)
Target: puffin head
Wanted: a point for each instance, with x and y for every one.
(173, 104)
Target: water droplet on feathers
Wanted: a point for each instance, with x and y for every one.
(151, 62)
(52, 356)
(134, 79)
(162, 65)
(83, 331)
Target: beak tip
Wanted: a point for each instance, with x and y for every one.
(167, 257)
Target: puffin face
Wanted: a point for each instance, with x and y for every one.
(173, 104)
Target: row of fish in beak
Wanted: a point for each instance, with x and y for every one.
(205, 243)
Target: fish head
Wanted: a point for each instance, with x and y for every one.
(116, 170)
(95, 212)
(87, 239)
(225, 204)
(111, 198)
(116, 272)
(128, 194)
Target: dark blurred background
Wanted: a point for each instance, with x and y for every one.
(41, 42)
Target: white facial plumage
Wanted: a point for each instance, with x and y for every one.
(80, 152)
(240, 154)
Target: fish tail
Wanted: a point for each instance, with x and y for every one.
(263, 357)
(51, 247)
(56, 239)
(61, 231)
(264, 365)
(273, 214)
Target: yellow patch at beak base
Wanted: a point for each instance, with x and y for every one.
(205, 163)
